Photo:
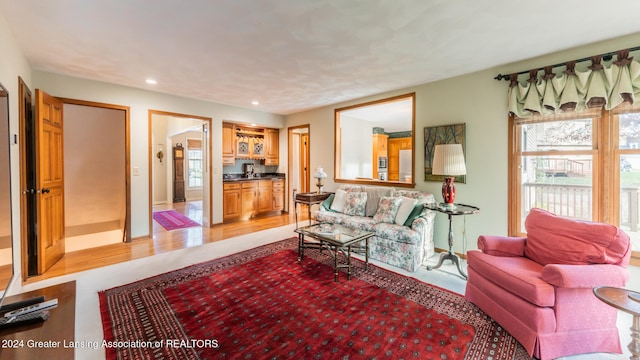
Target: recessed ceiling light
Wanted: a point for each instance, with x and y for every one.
(151, 81)
(255, 102)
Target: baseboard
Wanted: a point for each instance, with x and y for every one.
(462, 256)
(92, 228)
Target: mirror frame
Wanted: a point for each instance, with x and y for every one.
(337, 152)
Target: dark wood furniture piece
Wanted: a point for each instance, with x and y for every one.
(629, 302)
(178, 173)
(336, 239)
(457, 209)
(309, 198)
(30, 341)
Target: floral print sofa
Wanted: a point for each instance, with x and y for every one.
(403, 227)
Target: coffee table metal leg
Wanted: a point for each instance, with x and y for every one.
(349, 262)
(335, 263)
(366, 254)
(300, 247)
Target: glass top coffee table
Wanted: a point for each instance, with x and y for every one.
(335, 238)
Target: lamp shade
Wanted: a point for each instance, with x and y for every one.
(320, 174)
(448, 160)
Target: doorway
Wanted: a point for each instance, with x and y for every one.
(179, 166)
(86, 193)
(299, 172)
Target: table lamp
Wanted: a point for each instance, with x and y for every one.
(448, 160)
(320, 174)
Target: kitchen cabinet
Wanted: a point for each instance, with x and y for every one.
(243, 142)
(278, 195)
(228, 144)
(272, 144)
(378, 149)
(395, 145)
(249, 198)
(245, 199)
(265, 195)
(232, 201)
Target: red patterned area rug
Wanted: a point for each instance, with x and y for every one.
(173, 220)
(262, 304)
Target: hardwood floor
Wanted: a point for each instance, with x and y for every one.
(163, 241)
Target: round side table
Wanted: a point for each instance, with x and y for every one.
(625, 300)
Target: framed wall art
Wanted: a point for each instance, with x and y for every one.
(443, 134)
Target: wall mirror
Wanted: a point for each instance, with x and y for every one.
(374, 142)
(6, 253)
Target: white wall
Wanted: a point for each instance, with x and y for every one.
(356, 150)
(94, 166)
(140, 102)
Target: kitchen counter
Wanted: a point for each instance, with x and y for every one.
(238, 177)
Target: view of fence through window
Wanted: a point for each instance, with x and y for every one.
(557, 170)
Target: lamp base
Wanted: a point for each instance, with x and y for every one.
(320, 186)
(448, 190)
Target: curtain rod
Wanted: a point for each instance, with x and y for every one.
(606, 57)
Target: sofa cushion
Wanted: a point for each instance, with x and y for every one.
(387, 209)
(553, 239)
(338, 201)
(374, 194)
(421, 197)
(405, 209)
(354, 203)
(518, 275)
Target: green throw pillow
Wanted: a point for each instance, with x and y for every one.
(415, 213)
(326, 204)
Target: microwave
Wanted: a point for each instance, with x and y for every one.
(382, 162)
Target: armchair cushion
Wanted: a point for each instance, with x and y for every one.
(585, 276)
(501, 245)
(517, 275)
(553, 239)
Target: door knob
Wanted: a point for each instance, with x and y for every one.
(46, 190)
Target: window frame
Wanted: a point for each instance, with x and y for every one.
(188, 160)
(606, 164)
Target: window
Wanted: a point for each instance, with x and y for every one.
(194, 163)
(583, 165)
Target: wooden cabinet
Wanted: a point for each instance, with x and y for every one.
(278, 195)
(395, 145)
(232, 201)
(272, 143)
(245, 199)
(378, 149)
(178, 174)
(243, 142)
(228, 144)
(265, 199)
(249, 196)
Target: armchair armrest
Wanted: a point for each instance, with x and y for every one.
(585, 276)
(501, 245)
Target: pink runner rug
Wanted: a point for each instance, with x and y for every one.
(173, 220)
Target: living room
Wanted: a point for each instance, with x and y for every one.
(475, 99)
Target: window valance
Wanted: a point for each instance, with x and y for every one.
(572, 90)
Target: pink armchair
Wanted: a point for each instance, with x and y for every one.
(540, 288)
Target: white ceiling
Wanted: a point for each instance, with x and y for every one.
(293, 55)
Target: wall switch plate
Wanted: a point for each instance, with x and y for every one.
(136, 171)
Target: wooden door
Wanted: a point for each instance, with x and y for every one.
(49, 180)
